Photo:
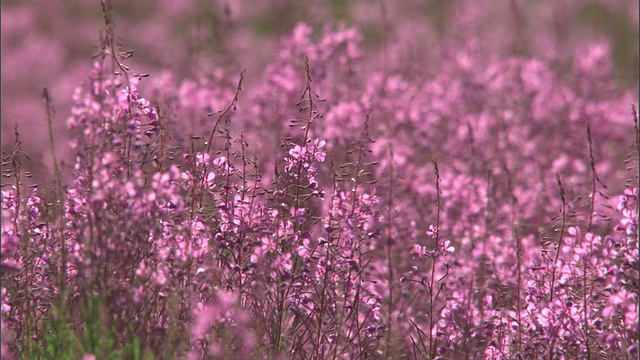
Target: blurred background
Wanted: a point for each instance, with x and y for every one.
(50, 43)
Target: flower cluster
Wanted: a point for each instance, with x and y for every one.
(211, 217)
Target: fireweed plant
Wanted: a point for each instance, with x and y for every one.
(325, 214)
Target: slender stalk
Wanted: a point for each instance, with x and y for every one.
(634, 114)
(390, 279)
(518, 290)
(561, 238)
(516, 236)
(592, 199)
(559, 247)
(118, 69)
(432, 299)
(592, 180)
(311, 115)
(221, 114)
(20, 230)
(298, 186)
(59, 207)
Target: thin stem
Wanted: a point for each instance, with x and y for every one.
(232, 106)
(592, 168)
(58, 208)
(516, 236)
(562, 230)
(634, 114)
(20, 230)
(109, 48)
(592, 199)
(433, 264)
(518, 290)
(310, 117)
(389, 241)
(555, 261)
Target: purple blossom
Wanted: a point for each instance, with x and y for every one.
(349, 196)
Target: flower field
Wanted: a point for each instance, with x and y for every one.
(339, 180)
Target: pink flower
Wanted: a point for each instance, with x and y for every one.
(297, 152)
(447, 247)
(418, 251)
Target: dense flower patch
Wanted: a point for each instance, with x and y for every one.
(325, 212)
